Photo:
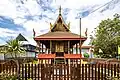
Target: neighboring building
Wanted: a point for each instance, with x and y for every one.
(1, 56)
(30, 48)
(85, 49)
(59, 42)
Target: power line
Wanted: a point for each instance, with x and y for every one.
(102, 6)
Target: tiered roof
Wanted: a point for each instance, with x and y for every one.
(60, 31)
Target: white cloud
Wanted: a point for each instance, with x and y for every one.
(7, 8)
(77, 4)
(32, 7)
(17, 11)
(6, 32)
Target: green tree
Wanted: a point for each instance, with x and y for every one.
(13, 48)
(107, 37)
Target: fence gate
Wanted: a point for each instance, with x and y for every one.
(60, 72)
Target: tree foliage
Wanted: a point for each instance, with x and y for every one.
(107, 37)
(12, 48)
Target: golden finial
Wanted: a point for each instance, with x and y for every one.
(51, 26)
(60, 10)
(69, 25)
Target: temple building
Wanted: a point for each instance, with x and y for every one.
(59, 42)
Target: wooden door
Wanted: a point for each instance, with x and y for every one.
(59, 47)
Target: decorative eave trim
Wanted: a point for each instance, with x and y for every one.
(60, 38)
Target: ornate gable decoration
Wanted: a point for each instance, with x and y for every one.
(60, 24)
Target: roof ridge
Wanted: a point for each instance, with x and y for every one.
(62, 19)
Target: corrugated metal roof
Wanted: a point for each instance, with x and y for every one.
(28, 41)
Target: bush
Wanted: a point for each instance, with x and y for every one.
(86, 55)
(7, 76)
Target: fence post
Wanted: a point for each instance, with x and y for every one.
(82, 71)
(25, 71)
(105, 71)
(69, 68)
(53, 71)
(95, 72)
(92, 71)
(22, 71)
(98, 72)
(86, 72)
(42, 72)
(32, 70)
(64, 71)
(68, 72)
(19, 76)
(118, 71)
(101, 71)
(114, 69)
(79, 73)
(38, 71)
(28, 71)
(35, 67)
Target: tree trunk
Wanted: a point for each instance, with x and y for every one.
(18, 67)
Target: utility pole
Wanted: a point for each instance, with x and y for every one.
(80, 46)
(80, 37)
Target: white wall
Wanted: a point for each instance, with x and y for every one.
(1, 56)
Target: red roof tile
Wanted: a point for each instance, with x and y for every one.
(73, 56)
(46, 56)
(59, 35)
(51, 56)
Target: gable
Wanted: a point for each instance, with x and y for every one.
(60, 25)
(21, 38)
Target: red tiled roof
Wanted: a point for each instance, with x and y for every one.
(59, 35)
(51, 56)
(46, 56)
(73, 56)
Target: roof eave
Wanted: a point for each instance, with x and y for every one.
(60, 39)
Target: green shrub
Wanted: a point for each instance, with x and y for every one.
(7, 76)
(86, 55)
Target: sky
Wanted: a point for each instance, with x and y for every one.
(21, 16)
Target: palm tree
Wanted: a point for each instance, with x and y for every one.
(14, 49)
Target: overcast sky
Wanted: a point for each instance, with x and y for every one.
(21, 16)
